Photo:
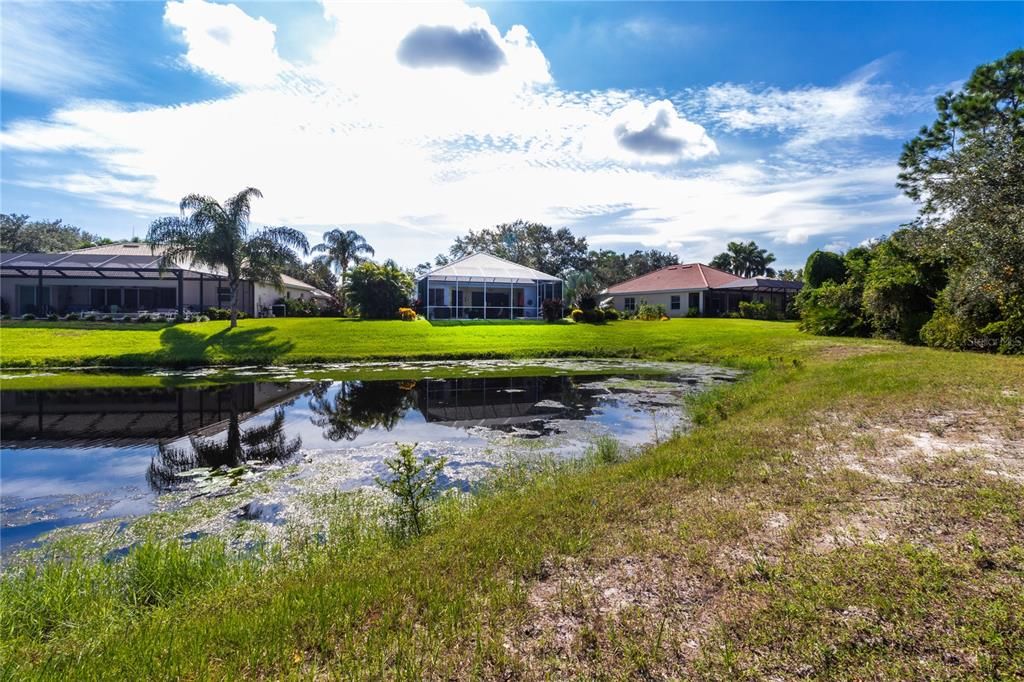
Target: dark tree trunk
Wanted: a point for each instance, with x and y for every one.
(234, 305)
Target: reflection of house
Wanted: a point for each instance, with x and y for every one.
(126, 278)
(497, 402)
(701, 289)
(130, 416)
(482, 286)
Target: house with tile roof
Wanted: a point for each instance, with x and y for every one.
(698, 289)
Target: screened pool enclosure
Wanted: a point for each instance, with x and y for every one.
(485, 287)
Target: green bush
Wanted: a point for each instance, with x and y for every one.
(833, 310)
(52, 317)
(611, 314)
(552, 309)
(649, 312)
(378, 291)
(576, 315)
(593, 315)
(413, 483)
(297, 307)
(824, 266)
(5, 316)
(757, 311)
(143, 318)
(89, 318)
(28, 316)
(71, 317)
(693, 312)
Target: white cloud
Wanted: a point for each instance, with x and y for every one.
(421, 152)
(225, 42)
(47, 52)
(809, 115)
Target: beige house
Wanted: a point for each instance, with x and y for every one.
(698, 289)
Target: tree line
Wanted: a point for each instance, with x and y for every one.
(953, 277)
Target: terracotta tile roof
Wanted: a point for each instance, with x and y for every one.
(673, 278)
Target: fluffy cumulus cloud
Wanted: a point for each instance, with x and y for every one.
(226, 42)
(656, 130)
(419, 121)
(472, 49)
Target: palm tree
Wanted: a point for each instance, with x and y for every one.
(745, 260)
(581, 289)
(217, 236)
(344, 248)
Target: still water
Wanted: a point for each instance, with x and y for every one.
(79, 456)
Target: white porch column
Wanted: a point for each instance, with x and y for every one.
(456, 301)
(428, 298)
(701, 302)
(511, 291)
(485, 299)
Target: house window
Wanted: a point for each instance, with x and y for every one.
(629, 303)
(435, 297)
(674, 302)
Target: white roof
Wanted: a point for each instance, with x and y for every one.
(483, 267)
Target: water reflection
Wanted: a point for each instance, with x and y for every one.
(72, 456)
(235, 446)
(355, 406)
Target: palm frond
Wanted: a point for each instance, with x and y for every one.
(239, 206)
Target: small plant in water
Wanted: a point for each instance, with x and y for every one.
(413, 484)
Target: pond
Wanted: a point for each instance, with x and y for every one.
(108, 455)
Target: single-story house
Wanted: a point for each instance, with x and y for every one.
(126, 278)
(695, 288)
(482, 286)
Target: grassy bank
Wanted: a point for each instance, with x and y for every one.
(855, 514)
(308, 340)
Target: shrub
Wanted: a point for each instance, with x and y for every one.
(757, 311)
(611, 314)
(52, 317)
(143, 318)
(298, 307)
(379, 290)
(5, 316)
(552, 309)
(576, 314)
(693, 311)
(593, 315)
(201, 318)
(28, 316)
(178, 319)
(833, 310)
(606, 450)
(71, 317)
(407, 314)
(649, 312)
(412, 483)
(125, 319)
(824, 266)
(89, 318)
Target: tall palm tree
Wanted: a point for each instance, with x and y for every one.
(217, 236)
(344, 248)
(745, 259)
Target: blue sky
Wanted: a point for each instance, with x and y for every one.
(674, 125)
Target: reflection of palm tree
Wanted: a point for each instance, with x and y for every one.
(357, 406)
(259, 443)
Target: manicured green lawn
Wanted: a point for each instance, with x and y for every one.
(309, 340)
(797, 531)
